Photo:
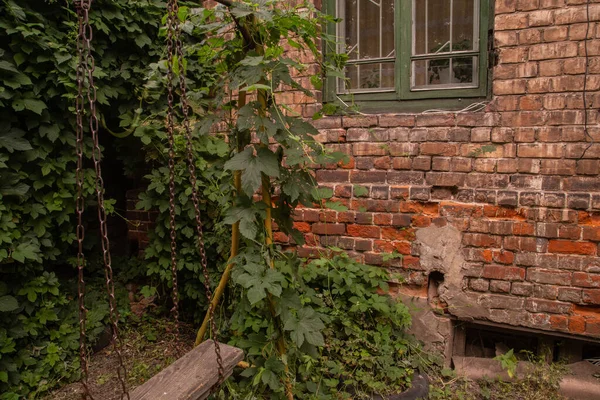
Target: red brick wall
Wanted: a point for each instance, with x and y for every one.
(510, 187)
(527, 209)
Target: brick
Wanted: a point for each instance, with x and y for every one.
(477, 180)
(481, 240)
(479, 285)
(526, 135)
(438, 149)
(591, 233)
(403, 149)
(513, 86)
(382, 162)
(548, 276)
(421, 163)
(571, 15)
(558, 167)
(587, 280)
(363, 231)
(553, 50)
(571, 247)
(559, 322)
(406, 178)
(403, 120)
(506, 38)
(503, 272)
(556, 33)
(362, 121)
(541, 18)
(588, 167)
(547, 306)
(530, 36)
(436, 120)
(505, 6)
(579, 201)
(502, 135)
(398, 134)
(521, 289)
(571, 295)
(363, 245)
(511, 21)
(364, 135)
(499, 286)
(503, 257)
(445, 179)
(364, 218)
(401, 220)
(333, 176)
(328, 229)
(540, 150)
(592, 327)
(547, 68)
(481, 134)
(528, 244)
(591, 296)
(369, 149)
(556, 200)
(577, 324)
(368, 176)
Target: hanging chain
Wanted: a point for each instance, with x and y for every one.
(87, 60)
(176, 38)
(79, 205)
(171, 13)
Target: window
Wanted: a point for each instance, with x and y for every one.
(411, 49)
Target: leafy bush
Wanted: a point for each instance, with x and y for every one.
(367, 349)
(38, 323)
(347, 337)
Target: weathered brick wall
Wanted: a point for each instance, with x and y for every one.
(505, 203)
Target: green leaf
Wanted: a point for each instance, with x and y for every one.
(13, 140)
(335, 206)
(8, 304)
(252, 166)
(26, 251)
(143, 40)
(307, 327)
(360, 191)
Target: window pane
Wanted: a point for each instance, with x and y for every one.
(446, 72)
(442, 26)
(463, 70)
(367, 77)
(464, 29)
(432, 26)
(368, 28)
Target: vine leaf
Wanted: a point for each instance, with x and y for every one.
(8, 304)
(307, 327)
(259, 280)
(252, 166)
(13, 140)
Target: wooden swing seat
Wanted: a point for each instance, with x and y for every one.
(192, 376)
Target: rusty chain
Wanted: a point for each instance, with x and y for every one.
(85, 70)
(171, 140)
(176, 38)
(79, 205)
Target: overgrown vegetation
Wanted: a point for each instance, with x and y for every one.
(308, 331)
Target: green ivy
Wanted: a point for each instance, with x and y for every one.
(38, 323)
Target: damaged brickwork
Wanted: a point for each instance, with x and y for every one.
(503, 204)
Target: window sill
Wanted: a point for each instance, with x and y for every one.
(409, 106)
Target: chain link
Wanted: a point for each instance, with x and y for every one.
(79, 205)
(176, 38)
(171, 13)
(85, 70)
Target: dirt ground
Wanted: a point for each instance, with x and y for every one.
(148, 347)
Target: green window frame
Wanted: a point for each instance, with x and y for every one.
(402, 96)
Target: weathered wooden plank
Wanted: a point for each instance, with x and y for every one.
(192, 376)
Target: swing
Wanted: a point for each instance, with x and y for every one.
(195, 375)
